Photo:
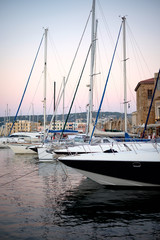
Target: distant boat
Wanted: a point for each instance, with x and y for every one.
(24, 142)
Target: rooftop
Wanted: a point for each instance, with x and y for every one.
(147, 81)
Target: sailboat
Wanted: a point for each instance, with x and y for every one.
(86, 147)
(27, 142)
(137, 166)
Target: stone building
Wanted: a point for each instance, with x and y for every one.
(157, 101)
(144, 91)
(117, 125)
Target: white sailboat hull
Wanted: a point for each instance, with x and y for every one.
(43, 155)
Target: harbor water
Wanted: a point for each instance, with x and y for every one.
(50, 201)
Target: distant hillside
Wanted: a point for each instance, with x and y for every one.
(72, 117)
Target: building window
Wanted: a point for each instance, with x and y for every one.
(149, 94)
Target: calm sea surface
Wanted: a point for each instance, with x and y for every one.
(49, 201)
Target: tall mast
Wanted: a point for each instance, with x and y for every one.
(63, 98)
(45, 80)
(124, 72)
(92, 63)
(54, 103)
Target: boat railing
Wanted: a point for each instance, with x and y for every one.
(156, 145)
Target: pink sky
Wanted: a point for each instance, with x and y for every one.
(22, 28)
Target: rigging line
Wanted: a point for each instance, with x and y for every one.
(52, 99)
(99, 83)
(6, 174)
(107, 29)
(139, 49)
(26, 85)
(21, 176)
(105, 24)
(118, 61)
(35, 92)
(76, 89)
(58, 97)
(57, 57)
(71, 68)
(136, 55)
(137, 59)
(102, 77)
(65, 172)
(75, 55)
(131, 92)
(106, 84)
(18, 178)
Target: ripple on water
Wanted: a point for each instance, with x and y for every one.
(48, 201)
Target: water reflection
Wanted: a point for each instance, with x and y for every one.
(50, 201)
(94, 202)
(78, 201)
